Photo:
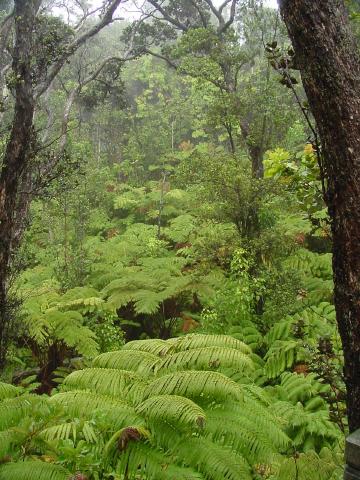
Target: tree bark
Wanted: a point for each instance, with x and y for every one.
(16, 153)
(327, 57)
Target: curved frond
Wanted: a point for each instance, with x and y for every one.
(80, 404)
(106, 381)
(194, 384)
(197, 340)
(135, 360)
(173, 409)
(207, 358)
(153, 345)
(246, 430)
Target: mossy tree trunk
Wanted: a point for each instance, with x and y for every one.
(328, 59)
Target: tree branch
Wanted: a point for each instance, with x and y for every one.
(168, 17)
(106, 19)
(232, 17)
(162, 57)
(201, 13)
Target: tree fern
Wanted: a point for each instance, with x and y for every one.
(137, 418)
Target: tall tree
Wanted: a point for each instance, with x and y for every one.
(328, 59)
(31, 77)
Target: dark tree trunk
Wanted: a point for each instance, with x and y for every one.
(330, 67)
(16, 155)
(256, 152)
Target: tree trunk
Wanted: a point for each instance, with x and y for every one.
(256, 152)
(327, 56)
(16, 154)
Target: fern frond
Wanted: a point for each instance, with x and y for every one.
(215, 461)
(137, 361)
(300, 388)
(173, 409)
(33, 470)
(151, 463)
(154, 346)
(12, 410)
(280, 357)
(196, 341)
(206, 358)
(105, 381)
(9, 439)
(8, 391)
(67, 430)
(194, 384)
(261, 417)
(84, 404)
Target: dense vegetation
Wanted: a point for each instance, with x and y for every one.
(168, 310)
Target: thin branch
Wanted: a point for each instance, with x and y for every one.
(162, 57)
(168, 17)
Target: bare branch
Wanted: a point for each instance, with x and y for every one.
(168, 17)
(223, 25)
(232, 17)
(106, 19)
(162, 57)
(215, 11)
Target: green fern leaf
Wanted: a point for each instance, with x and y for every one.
(105, 381)
(196, 341)
(33, 470)
(172, 409)
(154, 346)
(8, 391)
(206, 358)
(79, 404)
(137, 361)
(194, 384)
